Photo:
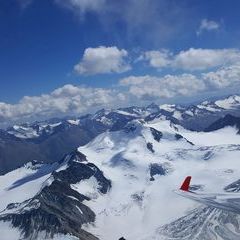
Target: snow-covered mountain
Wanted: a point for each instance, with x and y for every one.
(199, 116)
(195, 117)
(46, 202)
(50, 140)
(121, 184)
(16, 151)
(112, 119)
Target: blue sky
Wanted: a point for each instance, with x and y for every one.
(117, 47)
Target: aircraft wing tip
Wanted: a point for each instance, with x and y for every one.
(186, 183)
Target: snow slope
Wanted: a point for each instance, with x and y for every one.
(22, 183)
(136, 206)
(227, 135)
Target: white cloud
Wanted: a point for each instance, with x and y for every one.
(192, 59)
(201, 59)
(76, 100)
(103, 60)
(207, 25)
(157, 59)
(163, 87)
(66, 100)
(224, 77)
(147, 87)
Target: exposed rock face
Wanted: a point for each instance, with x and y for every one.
(58, 208)
(179, 137)
(150, 147)
(157, 135)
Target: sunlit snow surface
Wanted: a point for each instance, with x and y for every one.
(227, 135)
(136, 207)
(10, 233)
(25, 182)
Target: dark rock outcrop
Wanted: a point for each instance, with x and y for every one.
(58, 208)
(150, 147)
(157, 135)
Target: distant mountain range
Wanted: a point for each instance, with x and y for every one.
(48, 141)
(115, 119)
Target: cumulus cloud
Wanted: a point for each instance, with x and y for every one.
(192, 59)
(168, 86)
(201, 59)
(66, 100)
(103, 60)
(163, 87)
(75, 100)
(224, 77)
(207, 25)
(158, 59)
